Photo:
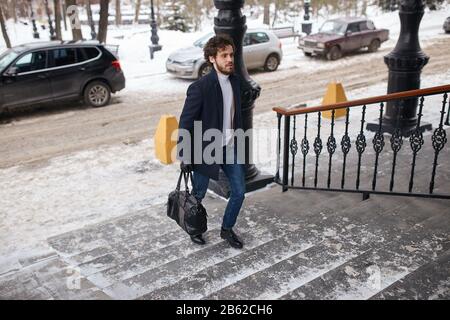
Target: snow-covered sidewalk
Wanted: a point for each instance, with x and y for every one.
(87, 187)
(79, 189)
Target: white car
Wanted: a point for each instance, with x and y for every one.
(261, 49)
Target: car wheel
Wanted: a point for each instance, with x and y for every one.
(374, 45)
(335, 53)
(97, 94)
(272, 63)
(308, 54)
(204, 70)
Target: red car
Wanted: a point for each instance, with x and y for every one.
(339, 36)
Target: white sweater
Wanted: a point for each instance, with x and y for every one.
(228, 108)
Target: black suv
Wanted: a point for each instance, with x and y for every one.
(43, 72)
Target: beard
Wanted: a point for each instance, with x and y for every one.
(225, 70)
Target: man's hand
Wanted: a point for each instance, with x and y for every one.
(186, 168)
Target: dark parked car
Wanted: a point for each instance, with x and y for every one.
(339, 36)
(446, 25)
(43, 72)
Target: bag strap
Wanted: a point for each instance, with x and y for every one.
(186, 181)
(179, 181)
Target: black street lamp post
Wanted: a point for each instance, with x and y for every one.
(33, 21)
(405, 64)
(50, 22)
(230, 21)
(154, 38)
(306, 25)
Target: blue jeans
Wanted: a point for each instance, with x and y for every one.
(236, 177)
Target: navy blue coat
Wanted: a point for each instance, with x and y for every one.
(204, 102)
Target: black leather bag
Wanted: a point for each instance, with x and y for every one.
(185, 209)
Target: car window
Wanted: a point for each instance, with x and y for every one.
(246, 40)
(203, 40)
(64, 57)
(363, 26)
(31, 62)
(333, 27)
(367, 25)
(91, 53)
(257, 38)
(84, 54)
(353, 27)
(6, 58)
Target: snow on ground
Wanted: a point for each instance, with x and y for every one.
(144, 74)
(87, 187)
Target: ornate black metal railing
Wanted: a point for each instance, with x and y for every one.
(353, 166)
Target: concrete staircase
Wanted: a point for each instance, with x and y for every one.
(298, 245)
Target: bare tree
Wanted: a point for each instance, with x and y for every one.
(12, 9)
(103, 23)
(57, 6)
(118, 13)
(364, 8)
(4, 32)
(63, 9)
(266, 18)
(137, 10)
(76, 32)
(90, 19)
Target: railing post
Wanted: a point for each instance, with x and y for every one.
(287, 127)
(277, 173)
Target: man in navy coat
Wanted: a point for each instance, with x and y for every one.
(213, 104)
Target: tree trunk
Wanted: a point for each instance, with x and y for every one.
(364, 8)
(275, 15)
(76, 32)
(13, 13)
(90, 19)
(23, 9)
(57, 6)
(118, 13)
(63, 9)
(266, 18)
(103, 23)
(138, 9)
(4, 32)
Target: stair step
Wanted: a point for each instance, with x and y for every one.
(228, 271)
(128, 259)
(48, 280)
(125, 259)
(225, 273)
(429, 282)
(218, 276)
(363, 234)
(173, 271)
(112, 253)
(99, 235)
(377, 268)
(106, 273)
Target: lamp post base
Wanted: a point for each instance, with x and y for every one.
(153, 48)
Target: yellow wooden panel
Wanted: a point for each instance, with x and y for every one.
(162, 139)
(335, 94)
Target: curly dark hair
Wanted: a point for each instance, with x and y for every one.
(216, 43)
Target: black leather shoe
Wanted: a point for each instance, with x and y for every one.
(198, 239)
(232, 238)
